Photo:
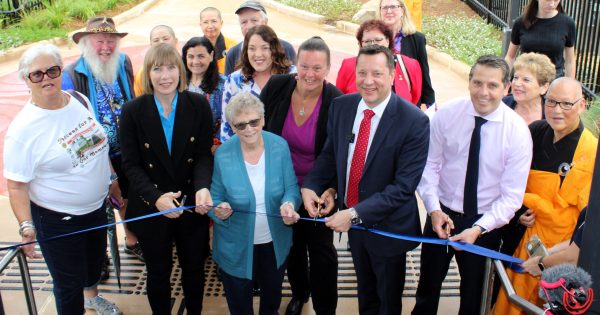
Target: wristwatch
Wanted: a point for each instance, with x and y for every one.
(354, 219)
(483, 230)
(541, 263)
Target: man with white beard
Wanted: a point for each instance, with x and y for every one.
(105, 76)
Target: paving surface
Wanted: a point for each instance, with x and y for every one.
(183, 16)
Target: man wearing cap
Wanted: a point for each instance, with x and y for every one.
(105, 76)
(250, 14)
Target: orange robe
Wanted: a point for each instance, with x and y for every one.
(556, 210)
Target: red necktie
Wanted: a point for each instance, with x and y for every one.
(358, 158)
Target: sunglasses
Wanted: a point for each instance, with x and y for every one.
(37, 76)
(243, 125)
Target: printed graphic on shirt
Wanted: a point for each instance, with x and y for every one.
(84, 142)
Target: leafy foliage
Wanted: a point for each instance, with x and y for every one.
(463, 38)
(332, 10)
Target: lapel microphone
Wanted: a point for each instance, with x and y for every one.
(350, 138)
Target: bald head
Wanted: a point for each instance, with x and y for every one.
(564, 104)
(564, 84)
(163, 34)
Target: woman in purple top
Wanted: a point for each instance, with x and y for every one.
(296, 107)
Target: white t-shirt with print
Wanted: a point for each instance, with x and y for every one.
(62, 154)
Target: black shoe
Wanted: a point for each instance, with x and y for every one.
(295, 306)
(135, 250)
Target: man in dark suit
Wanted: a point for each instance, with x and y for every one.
(376, 148)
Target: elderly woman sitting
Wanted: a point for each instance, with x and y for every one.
(255, 187)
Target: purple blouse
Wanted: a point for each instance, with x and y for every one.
(301, 140)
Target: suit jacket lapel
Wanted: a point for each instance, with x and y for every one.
(152, 127)
(346, 124)
(184, 124)
(385, 125)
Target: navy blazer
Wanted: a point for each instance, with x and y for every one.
(392, 171)
(146, 161)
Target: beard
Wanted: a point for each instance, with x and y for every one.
(105, 72)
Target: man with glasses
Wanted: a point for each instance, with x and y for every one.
(469, 194)
(559, 182)
(250, 14)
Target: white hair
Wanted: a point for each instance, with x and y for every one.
(105, 72)
(33, 53)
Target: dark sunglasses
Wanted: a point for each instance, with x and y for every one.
(252, 123)
(38, 76)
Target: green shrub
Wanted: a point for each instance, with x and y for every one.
(591, 118)
(463, 38)
(332, 10)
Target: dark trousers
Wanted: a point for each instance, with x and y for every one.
(380, 277)
(434, 267)
(320, 279)
(190, 234)
(75, 261)
(238, 291)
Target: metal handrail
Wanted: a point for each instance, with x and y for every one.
(513, 297)
(25, 276)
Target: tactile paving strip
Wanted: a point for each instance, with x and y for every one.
(133, 277)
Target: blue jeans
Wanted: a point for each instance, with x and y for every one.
(74, 262)
(238, 291)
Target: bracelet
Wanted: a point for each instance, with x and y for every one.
(114, 177)
(26, 225)
(290, 203)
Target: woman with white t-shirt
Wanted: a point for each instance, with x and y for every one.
(58, 171)
(256, 192)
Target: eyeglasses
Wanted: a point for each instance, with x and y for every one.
(564, 105)
(243, 125)
(395, 7)
(52, 73)
(373, 41)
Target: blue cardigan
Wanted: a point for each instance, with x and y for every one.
(233, 239)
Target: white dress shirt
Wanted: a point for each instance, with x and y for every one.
(504, 162)
(362, 106)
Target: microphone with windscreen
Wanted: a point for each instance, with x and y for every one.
(567, 288)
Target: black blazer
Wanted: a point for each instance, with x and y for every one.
(414, 47)
(146, 161)
(392, 171)
(277, 97)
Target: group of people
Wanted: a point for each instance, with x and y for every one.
(252, 137)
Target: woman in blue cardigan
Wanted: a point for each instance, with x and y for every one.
(256, 192)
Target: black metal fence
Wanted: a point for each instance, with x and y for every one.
(586, 14)
(12, 10)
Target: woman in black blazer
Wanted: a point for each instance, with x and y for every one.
(166, 140)
(296, 107)
(407, 41)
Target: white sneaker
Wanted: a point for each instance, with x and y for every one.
(101, 305)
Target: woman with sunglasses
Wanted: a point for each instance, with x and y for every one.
(256, 193)
(59, 175)
(407, 41)
(262, 56)
(166, 136)
(408, 79)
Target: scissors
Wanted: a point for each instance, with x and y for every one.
(178, 204)
(318, 210)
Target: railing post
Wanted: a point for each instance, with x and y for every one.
(488, 287)
(513, 13)
(27, 286)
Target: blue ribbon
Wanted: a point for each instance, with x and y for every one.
(513, 262)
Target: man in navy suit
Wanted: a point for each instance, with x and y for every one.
(376, 149)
